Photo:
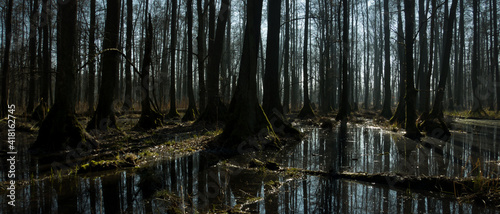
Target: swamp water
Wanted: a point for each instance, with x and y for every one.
(194, 182)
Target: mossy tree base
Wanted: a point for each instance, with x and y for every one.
(306, 112)
(191, 114)
(150, 120)
(173, 114)
(60, 132)
(399, 116)
(386, 113)
(434, 126)
(101, 122)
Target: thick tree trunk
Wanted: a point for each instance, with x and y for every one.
(246, 117)
(150, 119)
(191, 112)
(424, 93)
(61, 129)
(386, 110)
(477, 106)
(173, 109)
(104, 116)
(271, 98)
(400, 113)
(495, 52)
(345, 108)
(306, 111)
(128, 102)
(215, 109)
(45, 80)
(410, 96)
(6, 57)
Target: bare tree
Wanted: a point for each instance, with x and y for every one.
(345, 108)
(173, 41)
(386, 109)
(6, 57)
(104, 116)
(306, 110)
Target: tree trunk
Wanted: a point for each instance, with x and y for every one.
(424, 92)
(149, 119)
(173, 109)
(477, 106)
(104, 116)
(367, 62)
(91, 55)
(191, 112)
(306, 111)
(410, 96)
(345, 108)
(246, 117)
(286, 84)
(6, 57)
(215, 109)
(61, 128)
(201, 54)
(271, 98)
(400, 113)
(386, 110)
(45, 80)
(32, 50)
(128, 102)
(495, 52)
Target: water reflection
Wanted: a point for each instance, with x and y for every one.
(203, 186)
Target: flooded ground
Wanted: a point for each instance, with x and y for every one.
(196, 183)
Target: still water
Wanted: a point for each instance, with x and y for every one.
(204, 186)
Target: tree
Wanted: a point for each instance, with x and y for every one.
(424, 83)
(127, 104)
(495, 52)
(32, 51)
(173, 109)
(246, 117)
(386, 109)
(46, 78)
(400, 113)
(345, 108)
(410, 96)
(150, 118)
(215, 109)
(201, 53)
(477, 106)
(61, 128)
(104, 116)
(271, 99)
(306, 111)
(91, 55)
(286, 72)
(191, 112)
(6, 56)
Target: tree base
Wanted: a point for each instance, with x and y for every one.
(434, 126)
(172, 114)
(61, 132)
(102, 122)
(306, 112)
(150, 120)
(214, 113)
(40, 111)
(386, 113)
(399, 116)
(191, 114)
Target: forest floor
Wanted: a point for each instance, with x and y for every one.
(126, 147)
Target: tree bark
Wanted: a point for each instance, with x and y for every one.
(201, 54)
(345, 108)
(104, 116)
(191, 112)
(61, 128)
(215, 109)
(477, 106)
(424, 93)
(306, 111)
(128, 102)
(400, 113)
(271, 98)
(150, 119)
(386, 109)
(172, 114)
(91, 55)
(286, 72)
(410, 96)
